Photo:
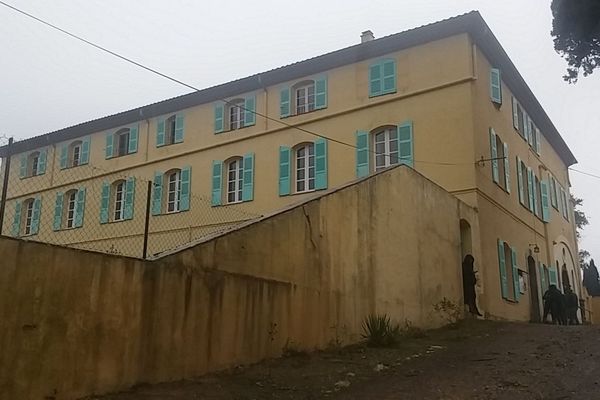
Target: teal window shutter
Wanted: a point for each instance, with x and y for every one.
(506, 168)
(35, 218)
(495, 86)
(520, 181)
(284, 102)
(284, 170)
(179, 128)
(104, 203)
(160, 132)
(58, 209)
(530, 186)
(320, 164)
(515, 110)
(16, 226)
(184, 195)
(217, 169)
(129, 197)
(80, 208)
(321, 93)
(545, 202)
(389, 76)
(219, 118)
(503, 274)
(109, 145)
(250, 111)
(375, 79)
(552, 276)
(248, 188)
(494, 156)
(64, 156)
(23, 166)
(41, 166)
(133, 140)
(553, 196)
(542, 277)
(538, 139)
(515, 274)
(362, 154)
(536, 206)
(157, 193)
(405, 144)
(85, 151)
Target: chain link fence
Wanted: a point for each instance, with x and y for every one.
(125, 213)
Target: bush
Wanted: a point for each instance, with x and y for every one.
(379, 331)
(449, 311)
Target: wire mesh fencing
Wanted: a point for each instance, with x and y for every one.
(124, 213)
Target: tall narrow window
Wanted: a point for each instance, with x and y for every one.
(174, 190)
(305, 98)
(170, 129)
(71, 202)
(119, 201)
(122, 138)
(28, 217)
(33, 164)
(75, 153)
(236, 114)
(386, 148)
(305, 167)
(501, 167)
(525, 181)
(235, 180)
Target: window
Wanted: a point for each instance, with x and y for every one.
(70, 206)
(304, 99)
(173, 190)
(122, 142)
(32, 164)
(236, 114)
(499, 162)
(538, 197)
(119, 200)
(553, 196)
(28, 216)
(34, 160)
(75, 153)
(235, 180)
(304, 167)
(385, 142)
(382, 78)
(524, 183)
(495, 86)
(69, 209)
(122, 137)
(509, 272)
(170, 130)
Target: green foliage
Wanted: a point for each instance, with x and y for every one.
(580, 218)
(448, 310)
(576, 33)
(379, 331)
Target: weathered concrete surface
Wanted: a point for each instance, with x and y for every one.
(75, 323)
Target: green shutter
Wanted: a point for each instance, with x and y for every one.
(542, 277)
(520, 181)
(157, 193)
(23, 166)
(248, 188)
(552, 276)
(58, 209)
(35, 218)
(179, 128)
(16, 226)
(104, 203)
(217, 172)
(160, 132)
(320, 164)
(284, 170)
(362, 154)
(284, 102)
(80, 208)
(515, 110)
(503, 274)
(389, 76)
(375, 79)
(219, 118)
(133, 140)
(250, 111)
(64, 156)
(494, 156)
(405, 144)
(536, 206)
(495, 86)
(506, 168)
(109, 145)
(129, 197)
(85, 151)
(321, 93)
(538, 140)
(184, 195)
(545, 202)
(553, 196)
(530, 186)
(41, 166)
(515, 274)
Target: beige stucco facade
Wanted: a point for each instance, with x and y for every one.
(443, 88)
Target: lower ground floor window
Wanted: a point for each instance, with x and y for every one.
(510, 284)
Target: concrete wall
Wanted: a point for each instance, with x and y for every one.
(74, 323)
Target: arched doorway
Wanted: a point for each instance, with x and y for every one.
(533, 290)
(466, 246)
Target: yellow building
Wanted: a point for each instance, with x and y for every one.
(444, 99)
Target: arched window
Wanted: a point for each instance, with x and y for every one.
(118, 200)
(235, 113)
(75, 153)
(304, 97)
(235, 179)
(385, 143)
(121, 140)
(304, 167)
(173, 185)
(28, 217)
(33, 163)
(70, 204)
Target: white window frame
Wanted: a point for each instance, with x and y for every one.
(70, 209)
(123, 133)
(388, 154)
(170, 125)
(235, 114)
(173, 193)
(33, 161)
(28, 216)
(303, 93)
(235, 180)
(304, 164)
(119, 201)
(76, 154)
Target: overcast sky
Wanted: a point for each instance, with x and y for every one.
(50, 81)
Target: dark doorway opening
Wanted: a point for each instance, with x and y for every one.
(533, 290)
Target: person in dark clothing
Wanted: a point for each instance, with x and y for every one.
(562, 308)
(572, 303)
(546, 298)
(554, 302)
(469, 281)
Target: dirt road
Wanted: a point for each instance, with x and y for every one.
(480, 360)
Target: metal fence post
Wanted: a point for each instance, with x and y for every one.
(147, 222)
(5, 184)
